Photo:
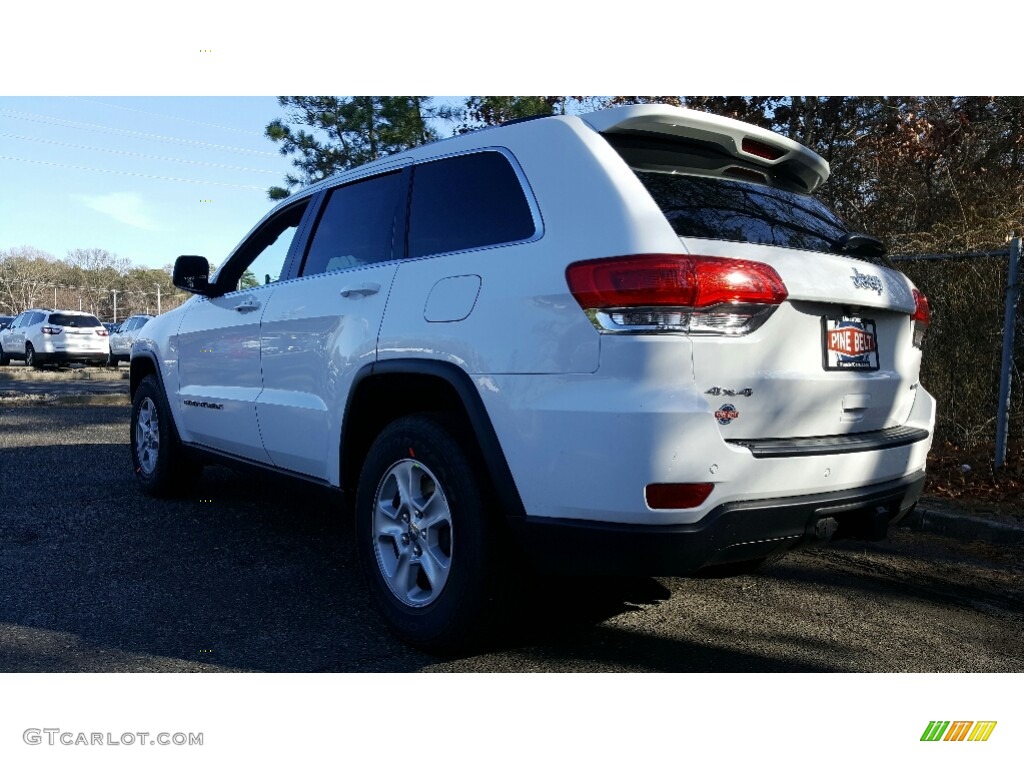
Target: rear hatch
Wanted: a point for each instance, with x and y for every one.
(77, 333)
(835, 354)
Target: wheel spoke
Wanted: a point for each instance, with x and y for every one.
(435, 567)
(403, 577)
(435, 511)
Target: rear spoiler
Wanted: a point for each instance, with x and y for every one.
(741, 140)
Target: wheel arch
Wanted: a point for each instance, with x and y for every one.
(384, 391)
(142, 365)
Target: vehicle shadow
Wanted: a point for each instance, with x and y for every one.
(252, 572)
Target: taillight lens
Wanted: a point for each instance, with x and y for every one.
(692, 294)
(102, 332)
(50, 330)
(921, 318)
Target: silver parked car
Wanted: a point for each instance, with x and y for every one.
(121, 340)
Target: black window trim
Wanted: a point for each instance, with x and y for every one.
(524, 185)
(311, 202)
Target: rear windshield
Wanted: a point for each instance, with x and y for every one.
(704, 192)
(73, 321)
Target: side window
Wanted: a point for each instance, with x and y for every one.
(18, 321)
(468, 201)
(131, 325)
(356, 226)
(37, 317)
(261, 258)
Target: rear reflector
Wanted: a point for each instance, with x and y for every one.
(677, 495)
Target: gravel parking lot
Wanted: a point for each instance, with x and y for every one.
(257, 573)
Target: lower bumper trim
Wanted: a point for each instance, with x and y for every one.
(732, 532)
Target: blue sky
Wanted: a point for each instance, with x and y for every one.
(133, 175)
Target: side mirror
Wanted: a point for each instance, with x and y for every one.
(192, 274)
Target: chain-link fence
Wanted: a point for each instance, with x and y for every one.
(963, 350)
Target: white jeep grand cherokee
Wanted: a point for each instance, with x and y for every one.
(623, 342)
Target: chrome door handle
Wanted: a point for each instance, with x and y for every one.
(363, 289)
(247, 306)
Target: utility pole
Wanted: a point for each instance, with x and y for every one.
(158, 298)
(115, 306)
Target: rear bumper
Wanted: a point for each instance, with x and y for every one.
(70, 357)
(731, 532)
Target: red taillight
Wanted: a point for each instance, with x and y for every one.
(921, 318)
(49, 330)
(677, 495)
(102, 332)
(673, 281)
(760, 149)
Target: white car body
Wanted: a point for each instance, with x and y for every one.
(576, 417)
(46, 336)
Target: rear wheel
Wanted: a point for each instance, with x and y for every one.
(4, 359)
(30, 357)
(427, 536)
(161, 466)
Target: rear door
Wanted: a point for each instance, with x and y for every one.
(321, 328)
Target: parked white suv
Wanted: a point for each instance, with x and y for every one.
(58, 337)
(628, 341)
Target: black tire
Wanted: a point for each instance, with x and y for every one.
(161, 466)
(30, 357)
(111, 361)
(4, 359)
(456, 616)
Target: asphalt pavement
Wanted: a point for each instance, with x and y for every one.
(253, 572)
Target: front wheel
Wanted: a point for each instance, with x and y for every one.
(161, 466)
(428, 538)
(4, 359)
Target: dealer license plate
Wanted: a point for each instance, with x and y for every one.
(849, 343)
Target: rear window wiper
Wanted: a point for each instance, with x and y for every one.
(860, 244)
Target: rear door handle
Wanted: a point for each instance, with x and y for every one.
(363, 289)
(247, 306)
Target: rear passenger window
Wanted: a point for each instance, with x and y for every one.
(356, 226)
(468, 201)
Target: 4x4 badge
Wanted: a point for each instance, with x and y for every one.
(716, 391)
(869, 282)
